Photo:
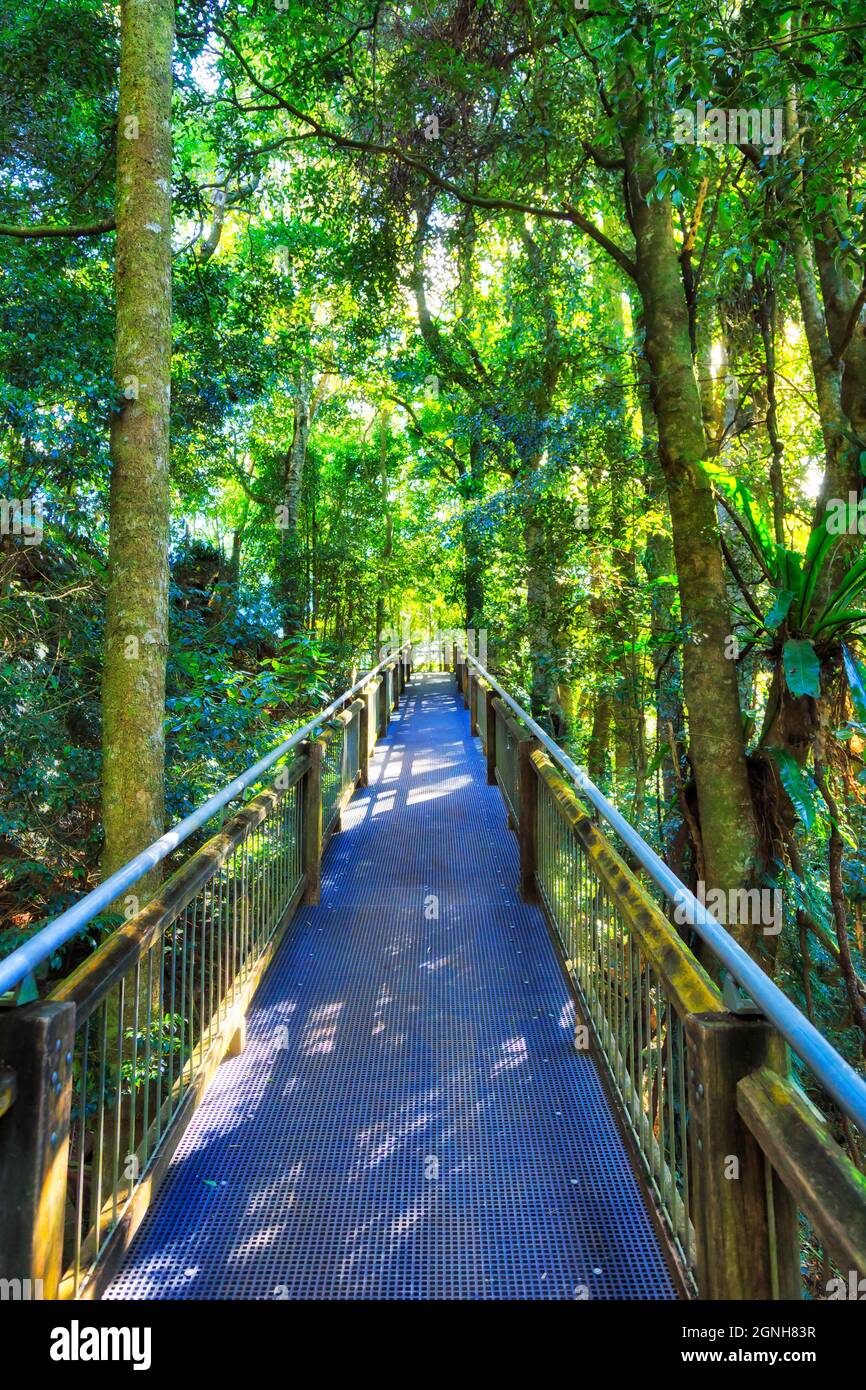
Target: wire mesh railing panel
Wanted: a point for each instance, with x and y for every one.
(506, 764)
(351, 749)
(332, 777)
(625, 1004)
(151, 1005)
(429, 656)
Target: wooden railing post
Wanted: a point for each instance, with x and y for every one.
(490, 696)
(527, 793)
(384, 710)
(313, 822)
(745, 1221)
(36, 1042)
(364, 738)
(475, 694)
(395, 684)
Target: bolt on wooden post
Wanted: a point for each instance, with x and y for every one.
(36, 1042)
(745, 1221)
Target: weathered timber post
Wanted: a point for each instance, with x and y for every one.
(490, 696)
(36, 1041)
(395, 685)
(745, 1221)
(527, 797)
(313, 821)
(373, 715)
(475, 695)
(384, 710)
(347, 777)
(454, 659)
(364, 736)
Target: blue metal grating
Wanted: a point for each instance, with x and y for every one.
(409, 1119)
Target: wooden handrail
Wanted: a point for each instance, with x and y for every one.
(797, 1142)
(94, 979)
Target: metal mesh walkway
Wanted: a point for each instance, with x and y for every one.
(410, 1118)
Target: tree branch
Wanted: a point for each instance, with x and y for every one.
(48, 230)
(491, 204)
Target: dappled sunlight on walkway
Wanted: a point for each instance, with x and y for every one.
(410, 1118)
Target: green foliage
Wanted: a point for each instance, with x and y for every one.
(802, 668)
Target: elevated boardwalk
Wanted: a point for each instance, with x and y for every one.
(410, 1118)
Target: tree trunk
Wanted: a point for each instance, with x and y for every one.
(710, 680)
(291, 562)
(843, 307)
(596, 753)
(473, 542)
(659, 564)
(541, 620)
(136, 632)
(840, 475)
(389, 535)
(766, 316)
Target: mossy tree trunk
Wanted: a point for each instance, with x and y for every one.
(292, 579)
(136, 636)
(388, 545)
(716, 741)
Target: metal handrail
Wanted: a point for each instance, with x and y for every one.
(837, 1076)
(24, 959)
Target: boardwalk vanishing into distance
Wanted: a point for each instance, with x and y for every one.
(410, 1118)
(409, 1025)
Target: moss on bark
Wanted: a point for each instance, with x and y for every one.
(136, 637)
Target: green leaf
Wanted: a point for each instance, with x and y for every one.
(854, 672)
(779, 611)
(750, 512)
(802, 668)
(850, 618)
(799, 785)
(658, 757)
(852, 583)
(820, 543)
